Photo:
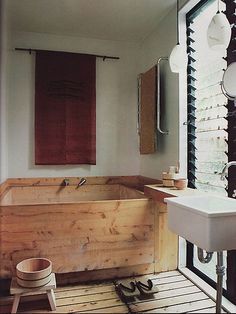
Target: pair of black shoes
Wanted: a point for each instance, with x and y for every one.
(135, 288)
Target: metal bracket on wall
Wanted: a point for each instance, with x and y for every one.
(159, 95)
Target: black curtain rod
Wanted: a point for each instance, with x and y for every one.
(97, 56)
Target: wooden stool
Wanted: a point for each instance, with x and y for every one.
(19, 291)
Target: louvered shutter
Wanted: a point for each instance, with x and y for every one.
(231, 57)
(207, 106)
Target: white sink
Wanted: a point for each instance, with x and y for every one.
(207, 221)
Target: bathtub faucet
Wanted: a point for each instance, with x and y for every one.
(81, 182)
(65, 182)
(225, 169)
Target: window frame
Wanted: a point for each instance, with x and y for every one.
(186, 257)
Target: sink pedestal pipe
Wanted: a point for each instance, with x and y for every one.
(220, 271)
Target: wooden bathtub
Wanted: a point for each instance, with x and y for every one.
(94, 227)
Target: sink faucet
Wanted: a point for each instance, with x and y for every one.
(81, 182)
(225, 169)
(65, 182)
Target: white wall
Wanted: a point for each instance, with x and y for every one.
(160, 44)
(3, 78)
(117, 142)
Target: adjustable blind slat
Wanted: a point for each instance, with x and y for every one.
(189, 31)
(210, 119)
(210, 130)
(210, 76)
(203, 156)
(207, 85)
(209, 187)
(208, 167)
(212, 108)
(213, 179)
(212, 100)
(212, 90)
(191, 78)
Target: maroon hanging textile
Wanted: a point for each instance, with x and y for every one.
(65, 108)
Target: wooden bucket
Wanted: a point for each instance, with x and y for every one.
(33, 272)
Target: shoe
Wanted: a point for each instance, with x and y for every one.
(146, 288)
(126, 291)
(129, 289)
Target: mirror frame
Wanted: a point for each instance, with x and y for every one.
(224, 91)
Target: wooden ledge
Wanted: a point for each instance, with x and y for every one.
(155, 193)
(158, 193)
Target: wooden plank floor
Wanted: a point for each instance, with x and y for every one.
(176, 294)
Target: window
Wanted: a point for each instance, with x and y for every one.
(207, 112)
(211, 124)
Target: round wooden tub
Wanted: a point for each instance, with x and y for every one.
(34, 272)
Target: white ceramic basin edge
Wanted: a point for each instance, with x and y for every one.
(207, 221)
(206, 205)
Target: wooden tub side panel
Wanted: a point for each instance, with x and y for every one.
(62, 194)
(130, 193)
(166, 242)
(137, 182)
(6, 198)
(5, 193)
(78, 237)
(47, 181)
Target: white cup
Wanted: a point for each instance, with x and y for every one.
(172, 169)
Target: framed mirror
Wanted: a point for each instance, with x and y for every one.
(228, 85)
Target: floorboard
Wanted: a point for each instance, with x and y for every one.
(176, 294)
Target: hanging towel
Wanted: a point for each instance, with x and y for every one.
(148, 112)
(65, 108)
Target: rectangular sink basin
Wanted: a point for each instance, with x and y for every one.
(207, 221)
